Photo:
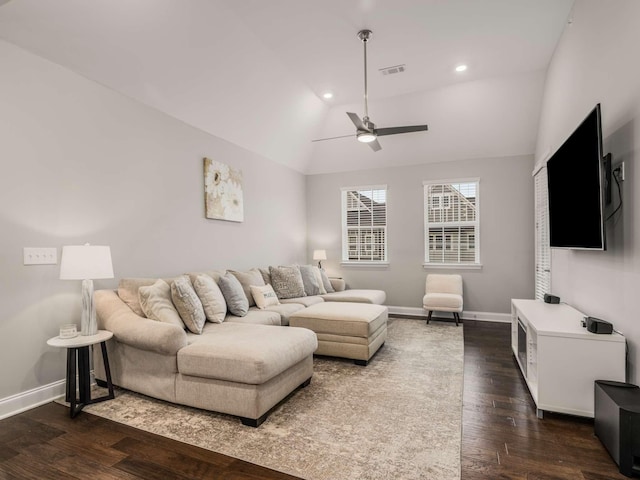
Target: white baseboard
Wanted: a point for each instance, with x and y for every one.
(24, 401)
(469, 315)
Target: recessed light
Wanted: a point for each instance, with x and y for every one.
(327, 95)
(461, 68)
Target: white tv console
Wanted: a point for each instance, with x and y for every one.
(560, 359)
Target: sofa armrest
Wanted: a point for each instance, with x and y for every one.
(338, 284)
(132, 329)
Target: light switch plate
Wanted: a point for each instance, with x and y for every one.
(40, 256)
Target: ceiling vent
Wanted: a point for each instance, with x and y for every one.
(394, 69)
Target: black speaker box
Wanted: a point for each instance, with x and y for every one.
(548, 298)
(617, 423)
(595, 325)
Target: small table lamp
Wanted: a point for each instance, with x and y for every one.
(86, 262)
(319, 255)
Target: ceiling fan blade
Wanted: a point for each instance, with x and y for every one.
(357, 121)
(375, 146)
(332, 138)
(395, 130)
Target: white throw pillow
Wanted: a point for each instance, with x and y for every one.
(215, 307)
(156, 303)
(316, 272)
(264, 296)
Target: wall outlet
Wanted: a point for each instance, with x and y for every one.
(622, 171)
(40, 256)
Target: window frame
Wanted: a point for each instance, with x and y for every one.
(441, 244)
(346, 244)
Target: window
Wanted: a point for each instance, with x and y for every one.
(364, 224)
(543, 250)
(451, 223)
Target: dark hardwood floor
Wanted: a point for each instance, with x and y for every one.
(502, 438)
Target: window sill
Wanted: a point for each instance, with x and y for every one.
(451, 266)
(365, 264)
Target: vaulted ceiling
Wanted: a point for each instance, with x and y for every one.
(253, 72)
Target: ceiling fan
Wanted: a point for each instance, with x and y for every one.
(366, 131)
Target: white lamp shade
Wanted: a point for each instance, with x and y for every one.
(319, 254)
(86, 262)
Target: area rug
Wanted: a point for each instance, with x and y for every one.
(399, 417)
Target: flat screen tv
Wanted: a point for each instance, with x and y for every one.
(576, 188)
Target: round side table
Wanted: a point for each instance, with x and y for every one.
(78, 353)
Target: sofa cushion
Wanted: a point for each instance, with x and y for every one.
(188, 304)
(264, 296)
(213, 302)
(284, 310)
(309, 280)
(247, 279)
(305, 301)
(156, 303)
(250, 354)
(287, 281)
(325, 281)
(255, 316)
(237, 301)
(215, 274)
(359, 296)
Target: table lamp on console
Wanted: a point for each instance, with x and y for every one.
(87, 263)
(319, 255)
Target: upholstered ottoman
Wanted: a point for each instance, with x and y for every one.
(348, 330)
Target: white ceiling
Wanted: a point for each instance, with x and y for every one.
(253, 71)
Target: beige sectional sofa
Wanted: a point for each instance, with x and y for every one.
(243, 366)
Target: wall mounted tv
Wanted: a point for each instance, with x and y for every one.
(576, 188)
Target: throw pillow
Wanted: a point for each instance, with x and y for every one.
(287, 281)
(266, 276)
(237, 302)
(316, 272)
(128, 292)
(309, 280)
(264, 296)
(188, 304)
(215, 307)
(156, 303)
(246, 279)
(325, 281)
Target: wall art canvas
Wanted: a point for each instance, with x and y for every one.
(222, 191)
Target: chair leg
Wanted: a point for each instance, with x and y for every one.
(429, 316)
(456, 315)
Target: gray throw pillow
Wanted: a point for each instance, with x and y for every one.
(287, 281)
(247, 279)
(311, 286)
(188, 304)
(325, 281)
(213, 302)
(231, 288)
(266, 276)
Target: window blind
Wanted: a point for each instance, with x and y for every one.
(364, 224)
(542, 248)
(451, 222)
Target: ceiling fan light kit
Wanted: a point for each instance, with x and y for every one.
(366, 137)
(366, 131)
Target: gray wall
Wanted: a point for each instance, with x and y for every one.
(592, 64)
(506, 230)
(81, 163)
